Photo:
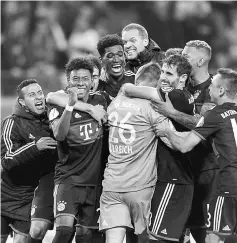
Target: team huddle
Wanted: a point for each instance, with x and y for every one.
(141, 146)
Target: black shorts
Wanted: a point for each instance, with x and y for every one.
(204, 189)
(8, 225)
(222, 215)
(81, 202)
(42, 204)
(170, 209)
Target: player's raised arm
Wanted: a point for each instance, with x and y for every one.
(143, 92)
(60, 98)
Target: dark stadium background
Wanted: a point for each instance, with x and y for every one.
(39, 37)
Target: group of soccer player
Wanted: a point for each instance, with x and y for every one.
(141, 146)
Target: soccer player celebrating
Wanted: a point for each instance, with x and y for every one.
(139, 48)
(131, 172)
(111, 50)
(78, 171)
(172, 199)
(28, 152)
(204, 164)
(221, 124)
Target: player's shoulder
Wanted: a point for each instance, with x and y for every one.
(225, 110)
(181, 95)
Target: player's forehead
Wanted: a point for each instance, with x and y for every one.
(169, 68)
(190, 51)
(80, 73)
(31, 88)
(113, 49)
(217, 80)
(130, 34)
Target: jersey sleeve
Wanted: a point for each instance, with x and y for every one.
(54, 112)
(185, 102)
(209, 125)
(13, 151)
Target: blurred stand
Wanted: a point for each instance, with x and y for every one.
(39, 37)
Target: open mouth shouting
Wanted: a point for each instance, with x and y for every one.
(39, 105)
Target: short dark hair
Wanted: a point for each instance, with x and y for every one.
(173, 51)
(78, 63)
(133, 26)
(23, 84)
(108, 41)
(95, 61)
(182, 63)
(150, 70)
(230, 77)
(200, 45)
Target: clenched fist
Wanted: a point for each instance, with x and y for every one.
(72, 92)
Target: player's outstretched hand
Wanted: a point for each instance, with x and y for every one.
(99, 114)
(164, 108)
(46, 143)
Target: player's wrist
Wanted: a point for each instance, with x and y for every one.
(69, 107)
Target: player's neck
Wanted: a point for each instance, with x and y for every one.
(201, 76)
(85, 98)
(226, 100)
(113, 79)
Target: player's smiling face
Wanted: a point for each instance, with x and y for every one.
(134, 43)
(33, 98)
(82, 80)
(169, 76)
(114, 60)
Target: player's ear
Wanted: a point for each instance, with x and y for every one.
(145, 42)
(221, 91)
(200, 62)
(21, 102)
(182, 80)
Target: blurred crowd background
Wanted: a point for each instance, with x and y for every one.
(39, 37)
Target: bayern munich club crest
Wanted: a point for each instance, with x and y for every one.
(61, 206)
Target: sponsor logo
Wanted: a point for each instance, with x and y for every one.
(164, 232)
(61, 206)
(53, 114)
(31, 136)
(33, 210)
(104, 223)
(226, 228)
(77, 115)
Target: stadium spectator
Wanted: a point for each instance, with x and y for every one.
(139, 48)
(96, 71)
(78, 173)
(28, 152)
(221, 123)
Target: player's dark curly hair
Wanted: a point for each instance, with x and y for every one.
(23, 84)
(78, 63)
(182, 63)
(108, 41)
(173, 51)
(96, 62)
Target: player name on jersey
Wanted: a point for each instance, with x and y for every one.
(120, 149)
(228, 113)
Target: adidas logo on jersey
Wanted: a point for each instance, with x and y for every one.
(31, 136)
(164, 232)
(226, 228)
(104, 223)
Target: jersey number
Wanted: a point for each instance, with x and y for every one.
(234, 126)
(122, 128)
